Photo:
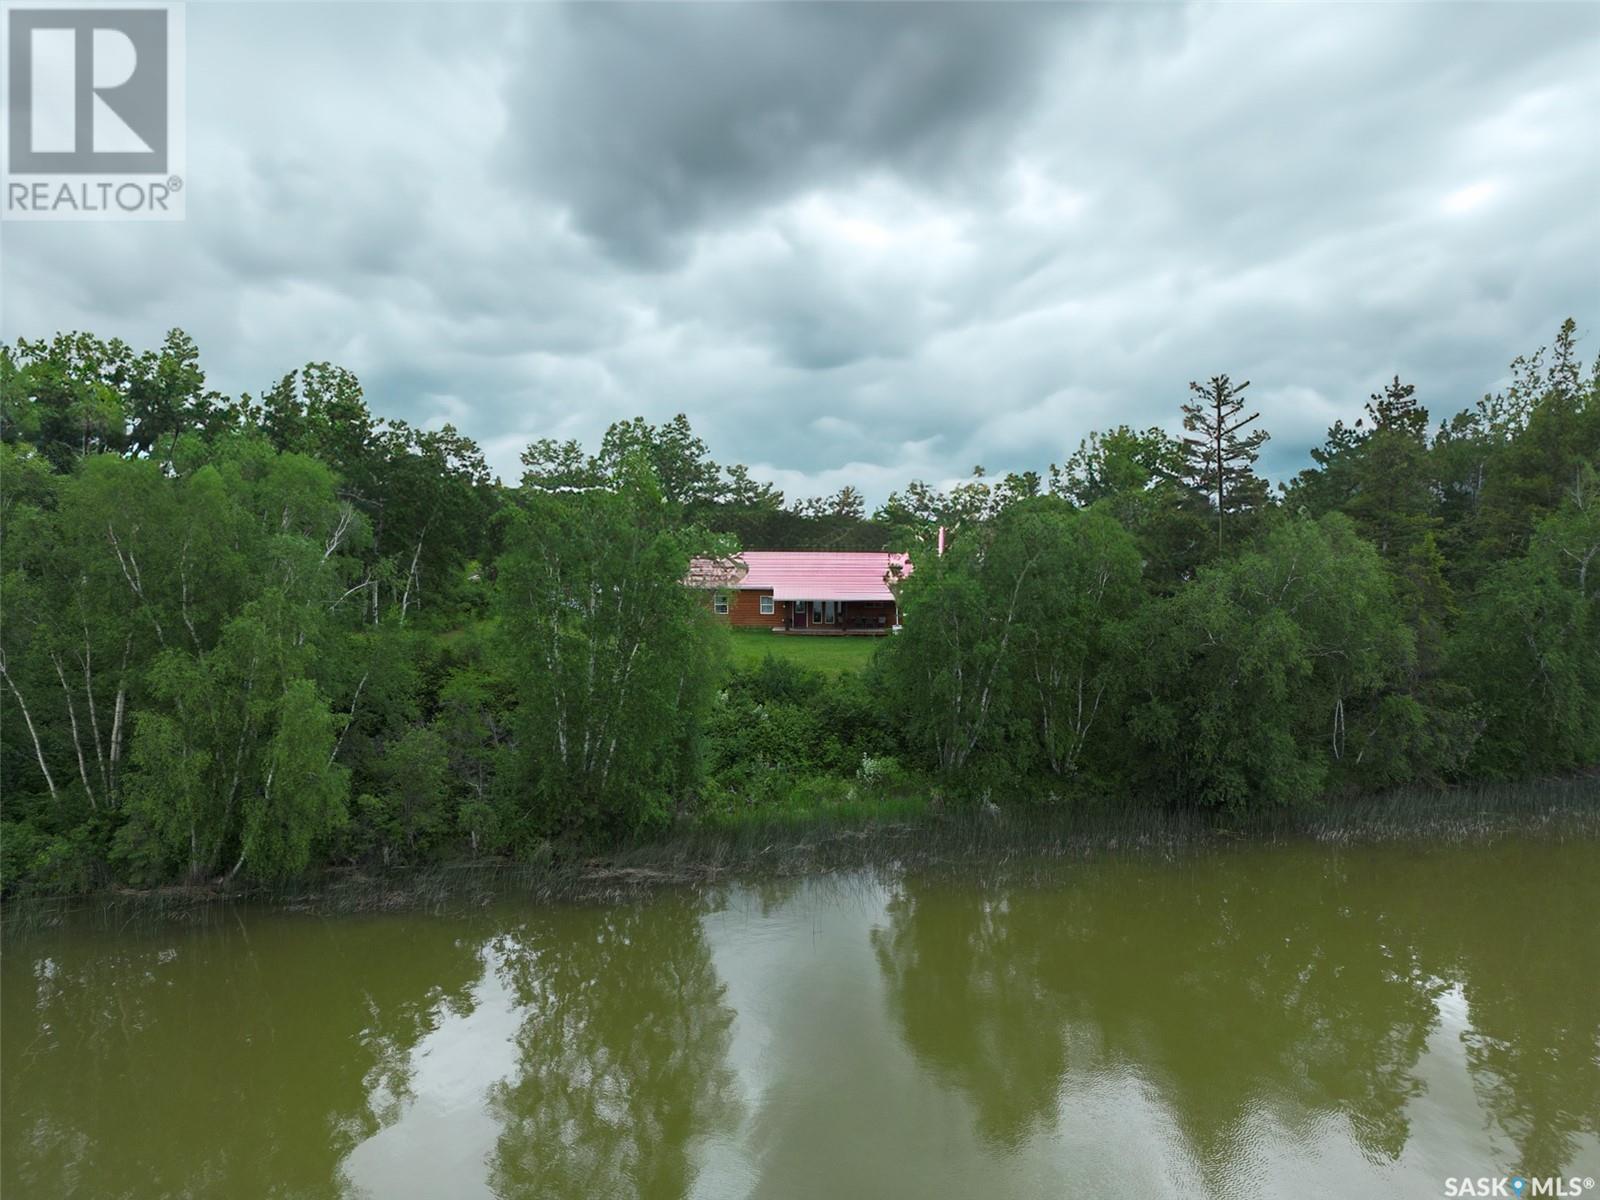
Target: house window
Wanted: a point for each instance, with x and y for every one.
(767, 607)
(719, 603)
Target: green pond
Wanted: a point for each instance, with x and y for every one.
(1292, 1021)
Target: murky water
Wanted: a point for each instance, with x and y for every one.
(1265, 1022)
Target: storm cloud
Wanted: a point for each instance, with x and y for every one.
(861, 243)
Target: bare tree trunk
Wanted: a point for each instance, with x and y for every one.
(238, 758)
(411, 575)
(349, 720)
(116, 736)
(999, 658)
(135, 581)
(27, 720)
(1219, 477)
(183, 600)
(94, 720)
(77, 742)
(336, 539)
(119, 710)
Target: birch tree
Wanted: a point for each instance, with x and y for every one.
(1254, 674)
(1074, 642)
(950, 676)
(614, 659)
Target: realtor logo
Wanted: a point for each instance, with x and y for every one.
(94, 112)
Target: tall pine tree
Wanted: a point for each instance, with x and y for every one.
(1392, 502)
(1218, 461)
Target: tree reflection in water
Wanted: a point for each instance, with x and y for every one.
(1291, 986)
(1230, 1023)
(1533, 992)
(289, 1041)
(621, 1057)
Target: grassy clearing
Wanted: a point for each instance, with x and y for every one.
(831, 655)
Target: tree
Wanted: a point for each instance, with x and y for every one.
(1393, 503)
(1117, 465)
(614, 1087)
(426, 494)
(919, 507)
(1509, 463)
(75, 395)
(1252, 674)
(614, 658)
(1218, 461)
(221, 618)
(409, 814)
(1137, 476)
(915, 514)
(321, 411)
(1329, 485)
(947, 676)
(233, 702)
(1376, 472)
(845, 504)
(742, 491)
(167, 399)
(1011, 640)
(1529, 645)
(429, 496)
(302, 795)
(233, 760)
(475, 728)
(683, 468)
(69, 396)
(549, 465)
(1072, 649)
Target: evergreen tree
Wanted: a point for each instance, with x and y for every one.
(847, 502)
(1219, 461)
(742, 491)
(1391, 501)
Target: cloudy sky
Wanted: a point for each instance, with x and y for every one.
(861, 243)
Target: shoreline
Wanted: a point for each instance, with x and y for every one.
(764, 846)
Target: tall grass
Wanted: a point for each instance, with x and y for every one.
(895, 831)
(911, 831)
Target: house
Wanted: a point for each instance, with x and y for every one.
(804, 591)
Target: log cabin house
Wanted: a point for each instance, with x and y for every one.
(816, 592)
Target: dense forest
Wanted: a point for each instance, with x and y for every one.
(246, 636)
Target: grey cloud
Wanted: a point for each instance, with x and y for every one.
(861, 243)
(651, 121)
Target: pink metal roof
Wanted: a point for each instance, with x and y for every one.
(809, 574)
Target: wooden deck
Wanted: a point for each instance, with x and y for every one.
(831, 632)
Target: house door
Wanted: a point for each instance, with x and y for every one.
(800, 609)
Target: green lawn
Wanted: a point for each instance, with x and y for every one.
(834, 655)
